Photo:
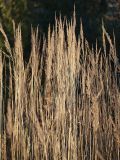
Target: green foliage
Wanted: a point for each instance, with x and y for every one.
(12, 10)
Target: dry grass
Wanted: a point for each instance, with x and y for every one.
(75, 113)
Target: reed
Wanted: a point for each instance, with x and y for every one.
(75, 113)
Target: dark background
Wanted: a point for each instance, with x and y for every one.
(42, 12)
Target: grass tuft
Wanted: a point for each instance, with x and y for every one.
(64, 104)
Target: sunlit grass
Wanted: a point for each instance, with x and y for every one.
(75, 113)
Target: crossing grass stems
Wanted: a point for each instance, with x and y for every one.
(77, 116)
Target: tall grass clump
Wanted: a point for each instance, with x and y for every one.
(64, 104)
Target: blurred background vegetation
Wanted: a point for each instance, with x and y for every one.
(42, 12)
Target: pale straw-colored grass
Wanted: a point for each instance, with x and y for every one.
(64, 104)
